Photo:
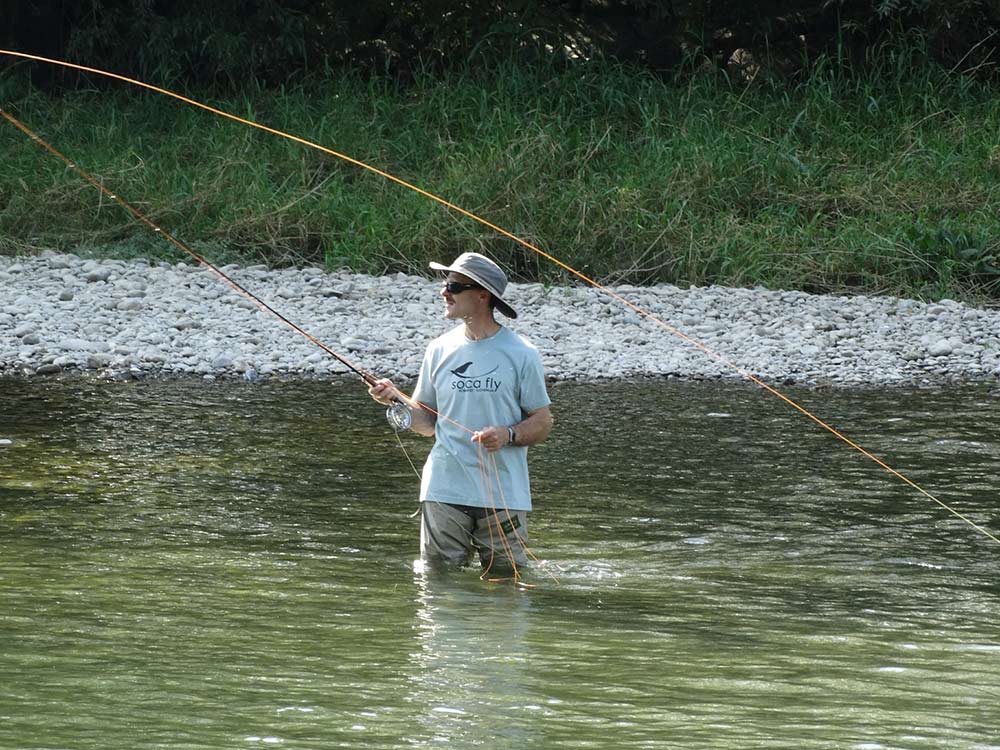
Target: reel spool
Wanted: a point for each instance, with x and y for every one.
(399, 416)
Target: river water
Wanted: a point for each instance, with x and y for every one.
(225, 565)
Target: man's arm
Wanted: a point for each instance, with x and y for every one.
(423, 421)
(534, 428)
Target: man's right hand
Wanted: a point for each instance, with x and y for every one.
(384, 392)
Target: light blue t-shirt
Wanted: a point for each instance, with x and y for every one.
(493, 381)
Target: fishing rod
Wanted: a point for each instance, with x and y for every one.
(565, 266)
(398, 414)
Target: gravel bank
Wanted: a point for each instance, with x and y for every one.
(60, 313)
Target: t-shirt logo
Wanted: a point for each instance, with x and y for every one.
(482, 383)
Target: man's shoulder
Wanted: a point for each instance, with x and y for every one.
(517, 340)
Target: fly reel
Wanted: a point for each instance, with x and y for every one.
(399, 416)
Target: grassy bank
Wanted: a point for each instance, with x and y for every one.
(886, 183)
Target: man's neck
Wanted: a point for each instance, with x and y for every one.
(477, 328)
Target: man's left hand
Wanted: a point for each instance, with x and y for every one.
(492, 438)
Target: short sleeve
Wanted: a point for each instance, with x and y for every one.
(534, 396)
(424, 391)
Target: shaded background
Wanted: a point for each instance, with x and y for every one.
(225, 42)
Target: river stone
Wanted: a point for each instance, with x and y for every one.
(99, 361)
(940, 348)
(74, 345)
(98, 274)
(49, 369)
(66, 295)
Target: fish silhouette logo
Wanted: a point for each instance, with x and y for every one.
(460, 371)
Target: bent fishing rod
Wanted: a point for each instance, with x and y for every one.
(398, 414)
(580, 275)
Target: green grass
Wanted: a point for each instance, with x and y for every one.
(883, 183)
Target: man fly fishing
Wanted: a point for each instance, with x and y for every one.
(484, 378)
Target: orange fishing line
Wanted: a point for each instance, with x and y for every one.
(517, 536)
(488, 487)
(645, 313)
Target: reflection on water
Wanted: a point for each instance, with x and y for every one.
(216, 565)
(472, 666)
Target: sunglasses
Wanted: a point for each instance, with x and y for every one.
(457, 287)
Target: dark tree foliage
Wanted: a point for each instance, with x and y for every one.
(228, 42)
(785, 37)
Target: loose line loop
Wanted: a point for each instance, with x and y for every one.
(458, 209)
